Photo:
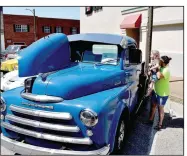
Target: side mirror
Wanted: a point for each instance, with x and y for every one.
(132, 57)
(135, 56)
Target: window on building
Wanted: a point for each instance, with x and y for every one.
(47, 29)
(21, 28)
(58, 29)
(73, 30)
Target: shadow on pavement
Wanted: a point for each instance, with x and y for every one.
(172, 123)
(140, 136)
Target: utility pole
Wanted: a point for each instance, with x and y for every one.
(33, 12)
(149, 37)
(34, 25)
(1, 25)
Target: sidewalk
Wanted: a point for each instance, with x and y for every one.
(177, 89)
(169, 141)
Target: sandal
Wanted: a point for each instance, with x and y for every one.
(158, 127)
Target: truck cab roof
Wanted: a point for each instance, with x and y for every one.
(114, 39)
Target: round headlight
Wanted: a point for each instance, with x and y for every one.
(3, 105)
(88, 118)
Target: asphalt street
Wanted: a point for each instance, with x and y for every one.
(142, 139)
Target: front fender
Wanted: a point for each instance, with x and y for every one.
(113, 128)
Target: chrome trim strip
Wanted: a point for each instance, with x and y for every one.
(117, 83)
(44, 125)
(39, 113)
(41, 98)
(26, 149)
(72, 140)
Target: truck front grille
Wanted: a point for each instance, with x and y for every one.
(44, 125)
(38, 113)
(34, 123)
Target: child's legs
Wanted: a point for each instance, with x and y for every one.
(161, 102)
(151, 85)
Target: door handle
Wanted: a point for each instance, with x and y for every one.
(117, 83)
(128, 74)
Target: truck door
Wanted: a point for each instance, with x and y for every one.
(133, 70)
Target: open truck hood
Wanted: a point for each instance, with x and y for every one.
(48, 54)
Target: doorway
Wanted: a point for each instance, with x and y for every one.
(134, 33)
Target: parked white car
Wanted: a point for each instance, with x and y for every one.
(11, 80)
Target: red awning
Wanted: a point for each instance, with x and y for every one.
(132, 21)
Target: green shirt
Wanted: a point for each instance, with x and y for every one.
(161, 86)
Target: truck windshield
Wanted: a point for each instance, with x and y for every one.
(102, 54)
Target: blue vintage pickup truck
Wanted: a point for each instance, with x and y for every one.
(79, 97)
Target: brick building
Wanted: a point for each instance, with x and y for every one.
(19, 29)
(2, 46)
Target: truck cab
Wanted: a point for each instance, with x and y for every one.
(79, 97)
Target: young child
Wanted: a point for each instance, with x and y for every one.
(153, 68)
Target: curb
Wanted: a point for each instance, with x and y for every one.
(176, 99)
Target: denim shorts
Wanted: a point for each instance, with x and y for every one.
(154, 77)
(160, 100)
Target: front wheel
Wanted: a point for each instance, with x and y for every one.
(120, 136)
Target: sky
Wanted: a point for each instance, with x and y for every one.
(54, 12)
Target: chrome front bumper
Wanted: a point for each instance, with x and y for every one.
(26, 149)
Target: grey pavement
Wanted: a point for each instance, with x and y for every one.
(140, 137)
(144, 140)
(177, 89)
(5, 151)
(170, 140)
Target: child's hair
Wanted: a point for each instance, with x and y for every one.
(156, 53)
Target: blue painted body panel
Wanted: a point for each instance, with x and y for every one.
(108, 106)
(78, 81)
(47, 54)
(105, 89)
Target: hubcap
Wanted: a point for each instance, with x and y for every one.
(121, 134)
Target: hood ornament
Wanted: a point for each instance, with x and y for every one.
(45, 75)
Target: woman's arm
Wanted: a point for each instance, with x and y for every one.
(164, 74)
(159, 75)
